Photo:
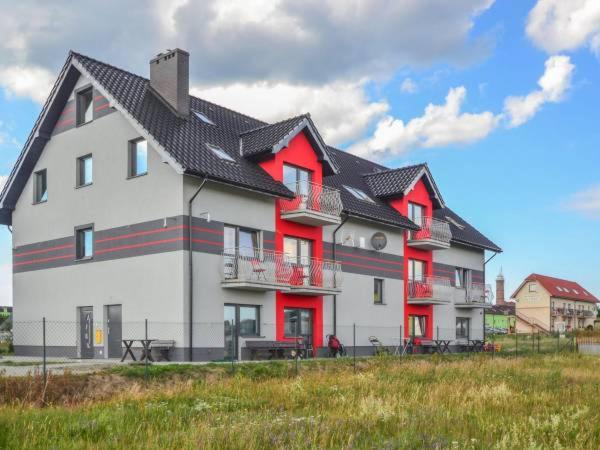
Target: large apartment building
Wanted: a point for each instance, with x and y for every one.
(134, 200)
(546, 303)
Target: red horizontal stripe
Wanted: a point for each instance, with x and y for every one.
(142, 244)
(101, 107)
(41, 260)
(67, 110)
(45, 250)
(64, 122)
(203, 241)
(99, 97)
(367, 258)
(139, 233)
(206, 230)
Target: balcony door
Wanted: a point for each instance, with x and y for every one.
(240, 247)
(416, 270)
(417, 286)
(416, 212)
(298, 322)
(298, 253)
(298, 180)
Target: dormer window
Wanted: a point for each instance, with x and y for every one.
(85, 106)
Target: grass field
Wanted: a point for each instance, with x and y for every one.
(541, 401)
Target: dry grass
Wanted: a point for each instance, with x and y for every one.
(477, 402)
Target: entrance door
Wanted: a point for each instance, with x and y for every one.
(86, 331)
(298, 323)
(114, 330)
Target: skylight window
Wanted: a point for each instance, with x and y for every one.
(220, 153)
(565, 289)
(359, 194)
(559, 288)
(203, 118)
(455, 223)
(575, 290)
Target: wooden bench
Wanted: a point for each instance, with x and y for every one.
(162, 348)
(274, 349)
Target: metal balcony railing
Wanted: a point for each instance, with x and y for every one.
(313, 197)
(314, 272)
(430, 289)
(260, 266)
(476, 294)
(432, 229)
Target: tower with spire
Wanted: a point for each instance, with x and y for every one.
(500, 288)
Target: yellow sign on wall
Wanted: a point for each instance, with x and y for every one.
(98, 336)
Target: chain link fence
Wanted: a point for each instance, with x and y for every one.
(44, 347)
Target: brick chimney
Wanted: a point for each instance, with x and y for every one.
(170, 79)
(500, 289)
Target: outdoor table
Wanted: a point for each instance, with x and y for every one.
(146, 351)
(442, 345)
(476, 345)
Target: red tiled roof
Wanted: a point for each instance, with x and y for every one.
(557, 287)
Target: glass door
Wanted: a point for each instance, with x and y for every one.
(298, 252)
(231, 341)
(298, 180)
(298, 322)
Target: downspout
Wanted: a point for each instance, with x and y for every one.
(344, 219)
(191, 268)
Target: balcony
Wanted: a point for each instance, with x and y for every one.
(473, 297)
(433, 235)
(430, 291)
(314, 204)
(257, 269)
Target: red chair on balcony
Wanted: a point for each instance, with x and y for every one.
(258, 269)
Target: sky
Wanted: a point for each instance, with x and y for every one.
(498, 97)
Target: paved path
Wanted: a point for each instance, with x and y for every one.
(23, 365)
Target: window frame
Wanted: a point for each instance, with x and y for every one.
(79, 231)
(132, 158)
(79, 114)
(411, 209)
(378, 283)
(37, 199)
(423, 325)
(465, 277)
(411, 269)
(238, 327)
(80, 167)
(237, 229)
(298, 257)
(532, 287)
(461, 321)
(300, 310)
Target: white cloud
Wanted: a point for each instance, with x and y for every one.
(560, 25)
(440, 125)
(586, 202)
(6, 297)
(341, 110)
(408, 86)
(27, 81)
(554, 83)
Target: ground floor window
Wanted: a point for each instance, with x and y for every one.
(462, 328)
(239, 321)
(417, 326)
(297, 322)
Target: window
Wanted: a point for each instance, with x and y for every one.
(532, 287)
(84, 170)
(138, 158)
(416, 213)
(378, 291)
(297, 179)
(40, 188)
(244, 239)
(297, 322)
(249, 320)
(220, 153)
(203, 118)
(461, 277)
(416, 270)
(462, 328)
(417, 326)
(359, 194)
(84, 238)
(85, 106)
(297, 250)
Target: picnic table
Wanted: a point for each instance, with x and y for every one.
(276, 349)
(475, 345)
(146, 351)
(440, 346)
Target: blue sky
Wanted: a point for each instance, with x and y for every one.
(528, 176)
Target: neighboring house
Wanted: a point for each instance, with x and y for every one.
(121, 173)
(500, 317)
(546, 303)
(5, 313)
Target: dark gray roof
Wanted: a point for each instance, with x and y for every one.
(350, 173)
(391, 182)
(264, 138)
(185, 139)
(465, 233)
